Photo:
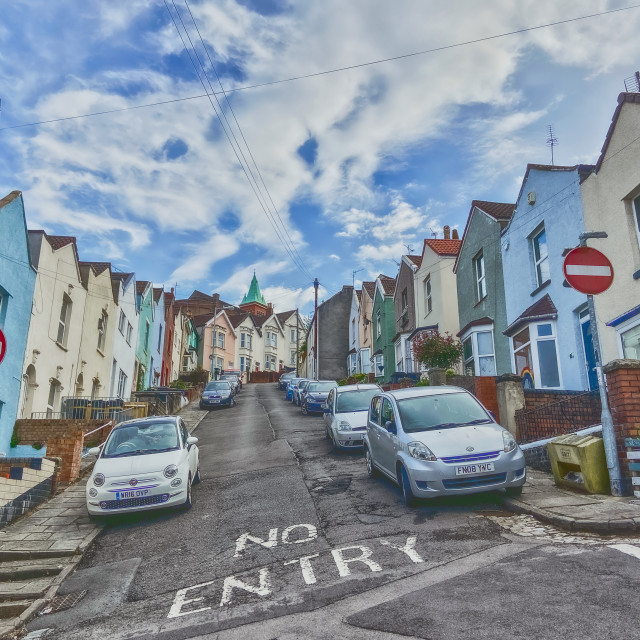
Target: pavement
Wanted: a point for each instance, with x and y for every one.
(39, 550)
(573, 511)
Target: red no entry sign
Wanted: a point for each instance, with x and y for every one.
(3, 346)
(588, 270)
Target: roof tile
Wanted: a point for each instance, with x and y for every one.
(444, 247)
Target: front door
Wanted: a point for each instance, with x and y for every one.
(587, 341)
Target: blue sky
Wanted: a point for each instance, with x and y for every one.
(358, 163)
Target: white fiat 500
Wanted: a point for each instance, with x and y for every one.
(147, 463)
(345, 415)
(437, 441)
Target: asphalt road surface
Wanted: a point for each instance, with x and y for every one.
(288, 540)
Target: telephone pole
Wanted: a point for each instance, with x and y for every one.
(315, 333)
(297, 344)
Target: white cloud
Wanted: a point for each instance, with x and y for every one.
(333, 256)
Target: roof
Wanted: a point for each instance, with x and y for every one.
(157, 292)
(57, 242)
(202, 319)
(417, 260)
(198, 295)
(237, 317)
(9, 198)
(474, 323)
(623, 98)
(359, 294)
(118, 275)
(444, 247)
(98, 267)
(141, 285)
(388, 284)
(253, 295)
(283, 316)
(542, 309)
(370, 288)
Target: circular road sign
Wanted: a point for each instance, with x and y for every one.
(588, 270)
(3, 345)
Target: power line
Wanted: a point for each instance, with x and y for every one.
(330, 71)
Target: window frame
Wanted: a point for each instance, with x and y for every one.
(63, 322)
(103, 323)
(121, 322)
(534, 339)
(625, 327)
(635, 207)
(535, 236)
(480, 276)
(428, 295)
(472, 335)
(378, 323)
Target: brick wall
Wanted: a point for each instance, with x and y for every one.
(553, 413)
(33, 431)
(623, 382)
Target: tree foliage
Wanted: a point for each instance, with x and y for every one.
(436, 350)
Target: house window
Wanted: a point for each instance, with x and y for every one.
(218, 339)
(122, 384)
(378, 324)
(478, 353)
(535, 356)
(404, 300)
(242, 339)
(365, 360)
(63, 323)
(269, 363)
(481, 282)
(292, 360)
(129, 333)
(379, 365)
(427, 295)
(241, 363)
(352, 363)
(146, 336)
(4, 301)
(219, 363)
(272, 339)
(353, 330)
(630, 342)
(293, 335)
(185, 363)
(102, 330)
(52, 400)
(540, 257)
(636, 215)
(160, 339)
(122, 322)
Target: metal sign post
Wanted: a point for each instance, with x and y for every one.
(608, 436)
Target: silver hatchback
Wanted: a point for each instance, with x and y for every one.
(436, 441)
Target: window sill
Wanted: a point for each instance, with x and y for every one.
(546, 283)
(480, 301)
(100, 351)
(62, 346)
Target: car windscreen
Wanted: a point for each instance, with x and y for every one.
(355, 400)
(320, 387)
(443, 411)
(218, 386)
(141, 439)
(303, 384)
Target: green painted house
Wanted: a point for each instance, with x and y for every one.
(384, 328)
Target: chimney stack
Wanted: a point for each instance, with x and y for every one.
(447, 232)
(454, 234)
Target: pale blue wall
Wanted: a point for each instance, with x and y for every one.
(157, 332)
(559, 205)
(17, 279)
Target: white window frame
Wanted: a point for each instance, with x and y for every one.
(63, 322)
(428, 301)
(378, 361)
(241, 363)
(397, 347)
(129, 333)
(54, 390)
(625, 326)
(147, 336)
(352, 363)
(122, 384)
(472, 334)
(122, 322)
(293, 335)
(365, 360)
(218, 339)
(378, 323)
(534, 338)
(635, 206)
(537, 262)
(102, 329)
(480, 276)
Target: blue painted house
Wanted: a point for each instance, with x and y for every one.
(548, 323)
(157, 343)
(17, 280)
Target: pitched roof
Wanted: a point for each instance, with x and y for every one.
(497, 210)
(57, 242)
(474, 323)
(370, 288)
(283, 316)
(201, 319)
(417, 260)
(9, 198)
(237, 317)
(542, 309)
(198, 295)
(253, 295)
(444, 247)
(359, 294)
(157, 292)
(98, 267)
(118, 275)
(622, 99)
(388, 284)
(141, 285)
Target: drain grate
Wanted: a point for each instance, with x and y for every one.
(62, 603)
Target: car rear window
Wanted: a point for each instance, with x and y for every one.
(443, 411)
(218, 386)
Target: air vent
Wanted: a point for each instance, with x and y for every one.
(531, 197)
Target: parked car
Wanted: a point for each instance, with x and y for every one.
(289, 388)
(232, 380)
(345, 417)
(234, 372)
(148, 463)
(316, 396)
(437, 441)
(298, 390)
(217, 393)
(284, 379)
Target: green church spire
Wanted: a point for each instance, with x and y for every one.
(254, 294)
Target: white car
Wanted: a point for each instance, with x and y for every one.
(345, 415)
(147, 463)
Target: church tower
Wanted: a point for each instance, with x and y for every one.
(254, 302)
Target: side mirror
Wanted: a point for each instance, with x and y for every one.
(192, 440)
(326, 408)
(390, 426)
(94, 451)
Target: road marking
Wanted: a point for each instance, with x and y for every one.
(408, 548)
(312, 533)
(629, 549)
(241, 542)
(343, 563)
(307, 570)
(263, 589)
(180, 600)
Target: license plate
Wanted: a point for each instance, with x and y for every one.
(125, 495)
(478, 467)
(215, 400)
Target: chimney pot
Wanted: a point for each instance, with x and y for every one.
(447, 232)
(454, 234)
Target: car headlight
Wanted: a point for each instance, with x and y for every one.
(420, 451)
(343, 425)
(170, 471)
(92, 492)
(509, 442)
(98, 479)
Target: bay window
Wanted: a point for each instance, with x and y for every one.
(478, 352)
(535, 356)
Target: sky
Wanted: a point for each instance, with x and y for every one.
(321, 176)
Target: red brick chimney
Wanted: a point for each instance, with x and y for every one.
(447, 232)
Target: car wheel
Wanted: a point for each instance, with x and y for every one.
(188, 503)
(334, 446)
(513, 492)
(407, 493)
(372, 472)
(197, 478)
(305, 410)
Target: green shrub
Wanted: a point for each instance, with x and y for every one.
(15, 441)
(422, 383)
(178, 384)
(450, 373)
(37, 445)
(342, 382)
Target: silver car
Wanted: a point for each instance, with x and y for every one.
(436, 441)
(345, 417)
